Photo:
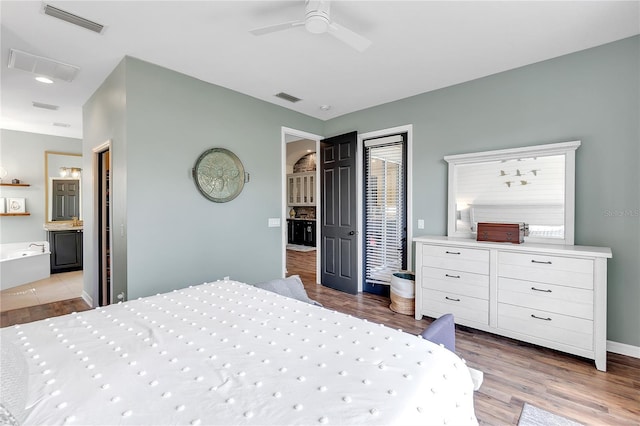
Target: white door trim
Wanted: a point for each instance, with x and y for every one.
(283, 195)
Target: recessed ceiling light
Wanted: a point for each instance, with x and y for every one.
(44, 80)
(325, 107)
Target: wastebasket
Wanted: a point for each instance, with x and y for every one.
(403, 293)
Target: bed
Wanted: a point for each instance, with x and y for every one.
(226, 352)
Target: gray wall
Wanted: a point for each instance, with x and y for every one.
(592, 96)
(161, 123)
(22, 155)
(104, 119)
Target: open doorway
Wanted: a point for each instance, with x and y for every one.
(103, 207)
(300, 207)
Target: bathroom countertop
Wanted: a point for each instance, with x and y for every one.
(64, 226)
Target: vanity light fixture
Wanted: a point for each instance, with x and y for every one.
(44, 80)
(74, 172)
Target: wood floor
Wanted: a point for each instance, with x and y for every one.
(47, 310)
(514, 372)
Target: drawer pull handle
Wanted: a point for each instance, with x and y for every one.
(452, 252)
(449, 298)
(540, 318)
(452, 276)
(548, 262)
(539, 289)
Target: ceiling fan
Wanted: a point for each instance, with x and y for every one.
(317, 20)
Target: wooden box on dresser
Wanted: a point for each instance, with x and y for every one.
(546, 294)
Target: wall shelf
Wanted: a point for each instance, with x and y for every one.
(16, 185)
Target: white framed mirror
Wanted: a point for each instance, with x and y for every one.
(69, 180)
(534, 185)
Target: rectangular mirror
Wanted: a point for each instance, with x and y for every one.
(534, 185)
(62, 186)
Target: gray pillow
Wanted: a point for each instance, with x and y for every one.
(289, 287)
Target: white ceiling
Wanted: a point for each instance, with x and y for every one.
(418, 46)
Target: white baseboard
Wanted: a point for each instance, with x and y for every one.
(623, 349)
(87, 298)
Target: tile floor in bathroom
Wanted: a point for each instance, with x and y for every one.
(61, 286)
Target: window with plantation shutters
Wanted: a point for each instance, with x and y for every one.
(385, 208)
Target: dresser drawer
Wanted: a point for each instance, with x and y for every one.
(462, 307)
(465, 283)
(558, 270)
(456, 259)
(562, 329)
(575, 302)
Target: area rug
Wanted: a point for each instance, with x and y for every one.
(297, 247)
(535, 416)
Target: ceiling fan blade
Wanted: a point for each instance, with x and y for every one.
(276, 27)
(349, 37)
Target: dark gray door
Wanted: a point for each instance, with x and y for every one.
(338, 204)
(65, 200)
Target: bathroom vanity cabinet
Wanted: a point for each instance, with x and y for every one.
(66, 250)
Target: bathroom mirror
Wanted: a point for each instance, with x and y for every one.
(62, 193)
(534, 185)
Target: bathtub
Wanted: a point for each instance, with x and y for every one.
(21, 264)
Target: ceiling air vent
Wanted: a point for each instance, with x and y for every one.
(288, 97)
(42, 66)
(73, 19)
(45, 106)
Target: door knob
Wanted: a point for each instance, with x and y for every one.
(352, 233)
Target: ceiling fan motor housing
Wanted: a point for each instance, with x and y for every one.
(316, 19)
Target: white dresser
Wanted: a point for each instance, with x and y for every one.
(550, 295)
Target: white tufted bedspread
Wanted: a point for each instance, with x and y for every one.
(228, 353)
